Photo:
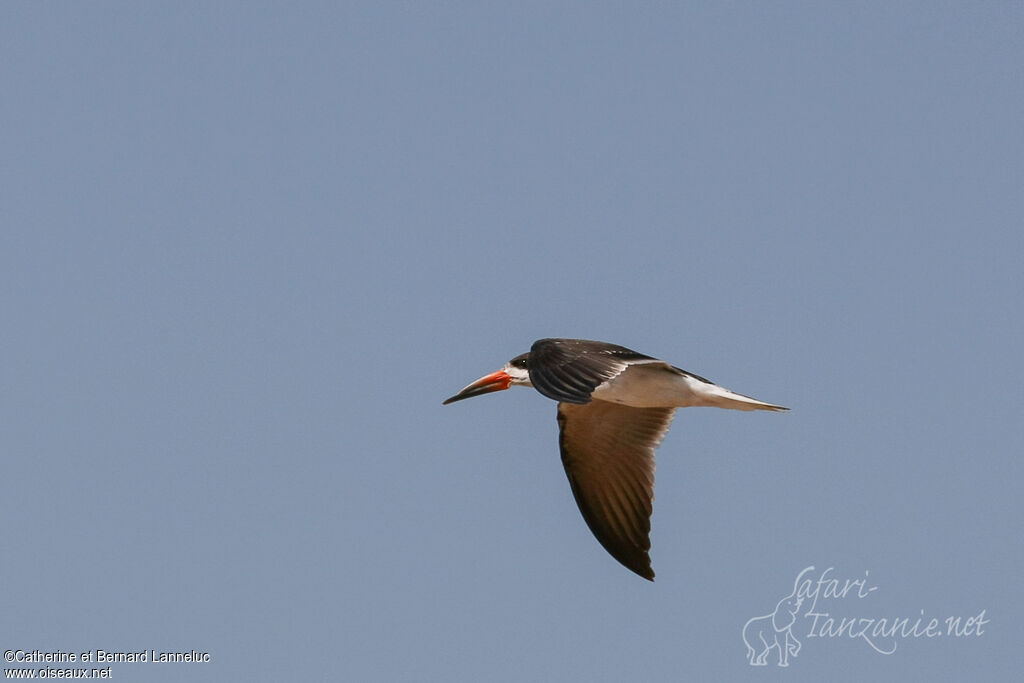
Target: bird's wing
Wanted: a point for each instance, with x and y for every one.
(569, 370)
(608, 454)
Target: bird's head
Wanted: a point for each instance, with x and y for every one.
(514, 372)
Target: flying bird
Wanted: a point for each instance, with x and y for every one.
(614, 408)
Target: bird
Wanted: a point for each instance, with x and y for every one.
(614, 408)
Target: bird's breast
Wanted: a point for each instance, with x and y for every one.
(650, 385)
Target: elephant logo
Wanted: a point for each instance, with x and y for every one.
(774, 630)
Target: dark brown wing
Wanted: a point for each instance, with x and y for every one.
(569, 370)
(608, 454)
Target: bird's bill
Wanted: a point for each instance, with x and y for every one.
(496, 381)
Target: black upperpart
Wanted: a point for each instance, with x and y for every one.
(570, 369)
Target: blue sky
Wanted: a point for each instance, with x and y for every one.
(248, 249)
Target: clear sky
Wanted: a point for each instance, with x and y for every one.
(247, 249)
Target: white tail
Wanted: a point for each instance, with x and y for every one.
(720, 397)
(657, 384)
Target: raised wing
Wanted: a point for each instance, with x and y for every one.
(569, 370)
(608, 454)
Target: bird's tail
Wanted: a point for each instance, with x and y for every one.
(720, 397)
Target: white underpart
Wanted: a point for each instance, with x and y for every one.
(655, 384)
